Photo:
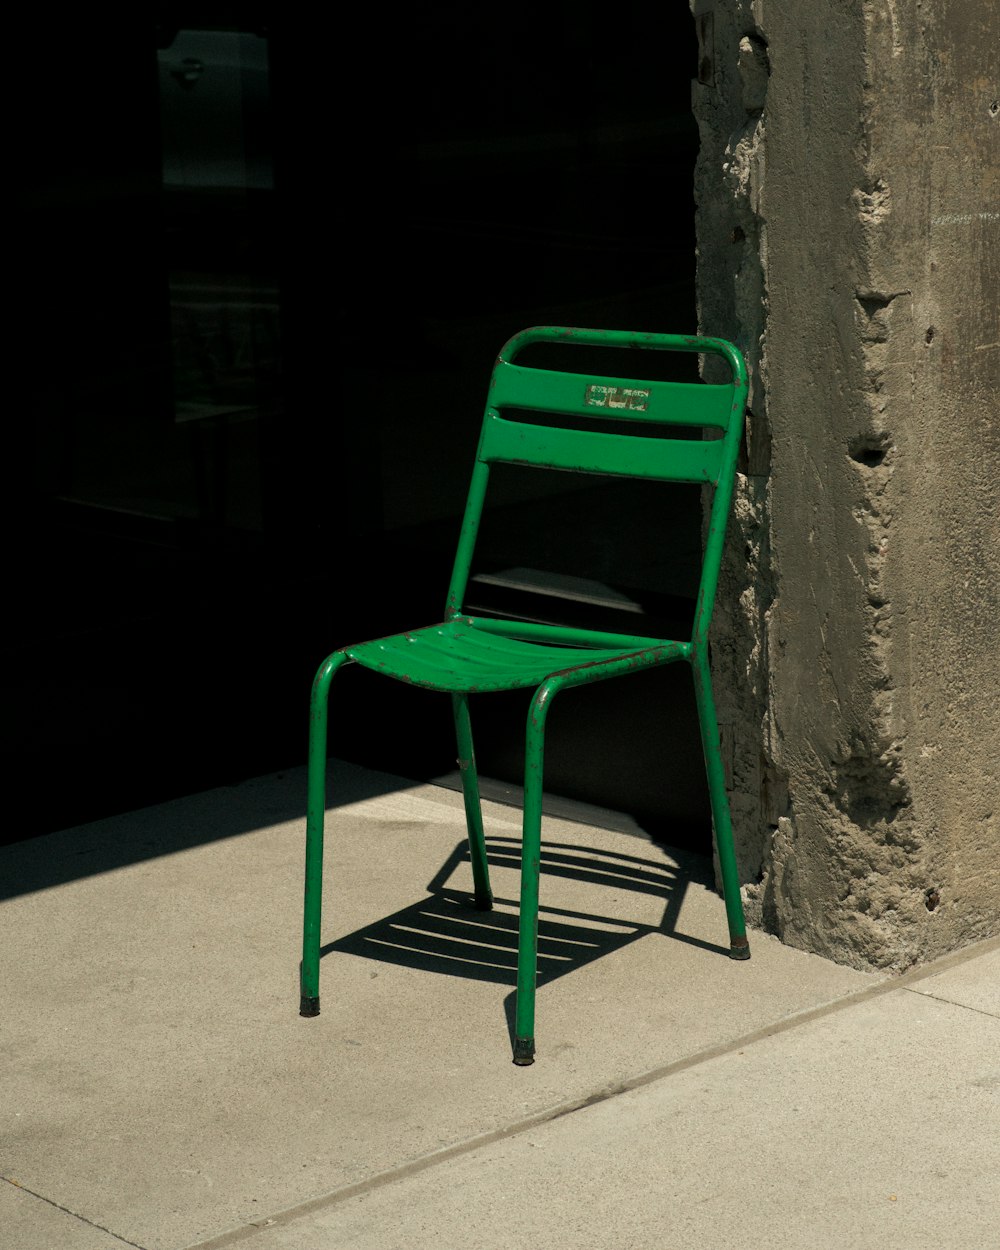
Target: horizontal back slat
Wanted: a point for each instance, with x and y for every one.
(586, 451)
(574, 394)
(592, 403)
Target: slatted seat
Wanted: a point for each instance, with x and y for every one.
(466, 656)
(544, 417)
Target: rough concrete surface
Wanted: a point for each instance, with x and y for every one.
(874, 1126)
(30, 1222)
(159, 1083)
(976, 986)
(850, 244)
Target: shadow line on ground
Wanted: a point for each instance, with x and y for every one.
(444, 933)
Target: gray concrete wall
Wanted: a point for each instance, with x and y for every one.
(848, 196)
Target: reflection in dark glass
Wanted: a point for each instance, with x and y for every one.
(218, 186)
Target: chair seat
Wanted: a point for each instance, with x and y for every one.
(457, 657)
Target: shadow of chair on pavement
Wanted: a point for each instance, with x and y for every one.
(444, 933)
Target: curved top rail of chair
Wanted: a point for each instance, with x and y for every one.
(628, 338)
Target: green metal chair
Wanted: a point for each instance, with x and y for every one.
(465, 654)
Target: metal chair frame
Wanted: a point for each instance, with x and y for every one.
(465, 654)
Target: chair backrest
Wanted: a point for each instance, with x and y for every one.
(577, 399)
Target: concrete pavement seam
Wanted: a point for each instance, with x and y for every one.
(423, 1162)
(950, 1002)
(15, 1184)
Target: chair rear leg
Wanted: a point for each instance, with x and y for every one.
(473, 807)
(739, 947)
(315, 817)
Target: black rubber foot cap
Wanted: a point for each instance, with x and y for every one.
(524, 1051)
(484, 902)
(739, 949)
(308, 1006)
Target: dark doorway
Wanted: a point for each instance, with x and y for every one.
(264, 269)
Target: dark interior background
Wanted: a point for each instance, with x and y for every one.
(261, 269)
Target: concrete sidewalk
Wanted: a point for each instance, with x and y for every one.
(161, 1091)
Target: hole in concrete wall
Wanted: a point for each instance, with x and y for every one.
(873, 304)
(994, 108)
(871, 452)
(759, 446)
(754, 69)
(929, 336)
(705, 31)
(871, 456)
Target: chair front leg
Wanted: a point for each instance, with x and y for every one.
(473, 806)
(315, 817)
(531, 852)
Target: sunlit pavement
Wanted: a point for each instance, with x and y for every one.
(161, 1090)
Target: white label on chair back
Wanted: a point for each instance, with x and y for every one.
(616, 397)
